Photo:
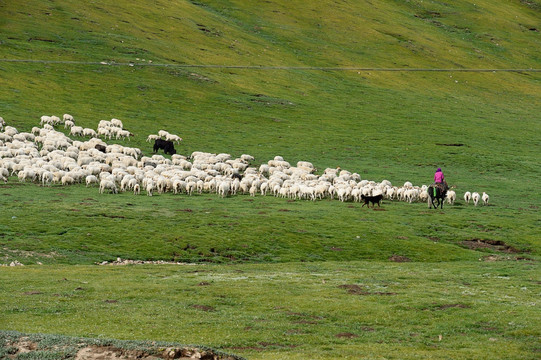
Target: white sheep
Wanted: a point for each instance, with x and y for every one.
(67, 180)
(67, 117)
(108, 184)
(246, 158)
(152, 137)
(123, 134)
(149, 187)
(10, 130)
(475, 197)
(485, 198)
(55, 120)
(467, 197)
(174, 138)
(117, 123)
(46, 178)
(89, 132)
(91, 179)
(136, 189)
(163, 133)
(76, 130)
(45, 120)
(451, 197)
(224, 188)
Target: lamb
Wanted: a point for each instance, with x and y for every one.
(467, 197)
(67, 117)
(475, 197)
(485, 198)
(136, 189)
(152, 137)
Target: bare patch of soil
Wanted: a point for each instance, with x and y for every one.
(399, 258)
(450, 306)
(358, 290)
(346, 335)
(33, 293)
(494, 245)
(109, 352)
(506, 258)
(457, 144)
(447, 306)
(203, 307)
(23, 346)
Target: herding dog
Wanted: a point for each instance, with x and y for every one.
(372, 199)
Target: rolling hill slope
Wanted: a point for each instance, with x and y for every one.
(388, 89)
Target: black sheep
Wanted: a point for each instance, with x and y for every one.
(167, 146)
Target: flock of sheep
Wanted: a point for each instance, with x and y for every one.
(48, 156)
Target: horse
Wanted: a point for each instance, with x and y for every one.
(438, 192)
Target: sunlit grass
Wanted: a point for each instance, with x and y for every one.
(274, 267)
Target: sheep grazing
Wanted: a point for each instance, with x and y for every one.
(485, 198)
(475, 197)
(108, 184)
(117, 123)
(152, 137)
(67, 117)
(163, 133)
(76, 130)
(2, 123)
(467, 197)
(91, 179)
(174, 138)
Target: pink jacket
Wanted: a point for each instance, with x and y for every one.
(438, 177)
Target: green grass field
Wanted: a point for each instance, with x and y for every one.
(271, 278)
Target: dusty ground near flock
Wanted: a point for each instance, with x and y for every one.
(85, 351)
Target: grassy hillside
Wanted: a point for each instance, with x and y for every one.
(356, 119)
(387, 89)
(350, 310)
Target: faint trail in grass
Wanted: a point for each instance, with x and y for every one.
(264, 67)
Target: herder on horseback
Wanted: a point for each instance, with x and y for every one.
(439, 178)
(438, 190)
